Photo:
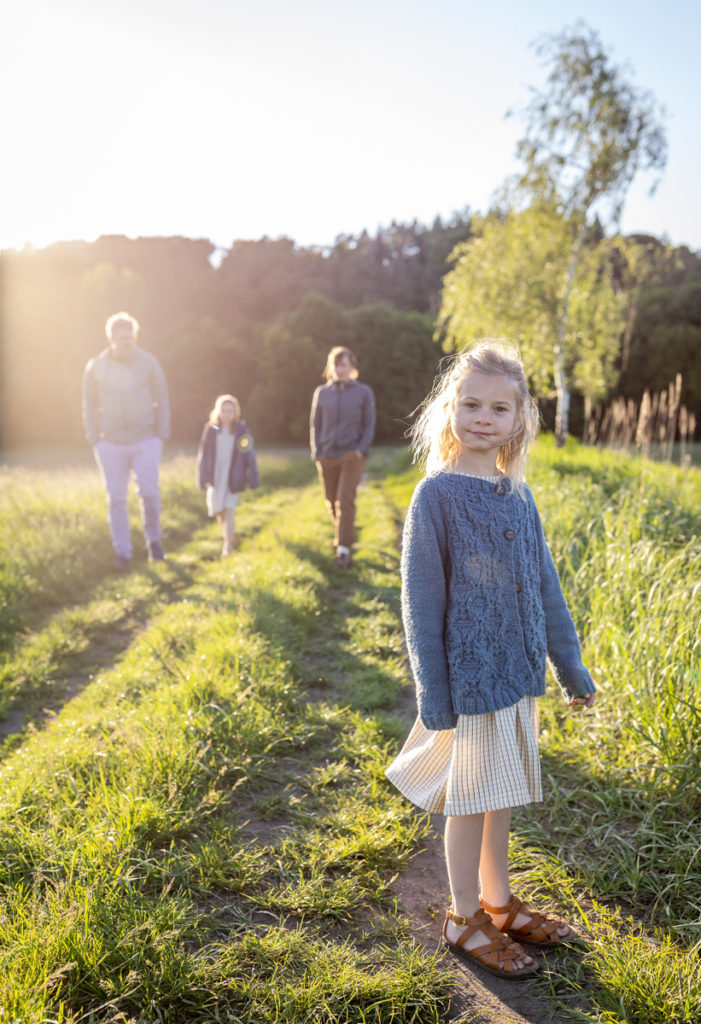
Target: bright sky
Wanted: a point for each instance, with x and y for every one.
(227, 119)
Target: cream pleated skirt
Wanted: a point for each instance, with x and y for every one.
(488, 762)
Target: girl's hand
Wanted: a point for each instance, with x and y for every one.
(587, 700)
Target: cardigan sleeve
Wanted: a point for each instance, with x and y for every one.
(424, 603)
(90, 403)
(252, 478)
(159, 395)
(205, 458)
(564, 652)
(314, 423)
(369, 416)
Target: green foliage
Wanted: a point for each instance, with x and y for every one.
(294, 356)
(202, 360)
(292, 361)
(400, 358)
(589, 131)
(203, 314)
(259, 322)
(666, 341)
(509, 281)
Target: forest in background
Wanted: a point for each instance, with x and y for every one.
(258, 319)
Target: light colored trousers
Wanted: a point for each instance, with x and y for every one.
(116, 462)
(339, 479)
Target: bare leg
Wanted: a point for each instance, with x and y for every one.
(228, 530)
(464, 843)
(494, 868)
(494, 857)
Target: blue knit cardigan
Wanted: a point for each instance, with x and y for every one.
(243, 470)
(481, 601)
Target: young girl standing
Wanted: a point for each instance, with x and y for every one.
(226, 464)
(482, 609)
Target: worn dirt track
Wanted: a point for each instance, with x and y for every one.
(478, 997)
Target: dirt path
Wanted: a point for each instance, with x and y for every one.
(479, 997)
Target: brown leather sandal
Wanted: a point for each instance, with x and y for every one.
(539, 931)
(498, 956)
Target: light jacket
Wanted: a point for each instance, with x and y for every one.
(342, 419)
(125, 401)
(481, 601)
(243, 469)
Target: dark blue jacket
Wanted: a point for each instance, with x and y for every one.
(243, 471)
(342, 419)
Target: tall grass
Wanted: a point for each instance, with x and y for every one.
(621, 826)
(183, 840)
(615, 845)
(194, 820)
(54, 539)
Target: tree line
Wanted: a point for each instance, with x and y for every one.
(258, 319)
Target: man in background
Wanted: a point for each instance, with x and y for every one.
(126, 418)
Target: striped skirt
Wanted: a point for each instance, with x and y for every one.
(488, 762)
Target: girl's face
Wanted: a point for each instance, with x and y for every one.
(227, 414)
(486, 412)
(342, 369)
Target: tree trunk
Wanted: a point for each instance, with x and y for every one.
(562, 414)
(586, 430)
(628, 334)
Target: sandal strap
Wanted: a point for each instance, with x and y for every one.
(547, 926)
(538, 922)
(471, 924)
(511, 909)
(500, 952)
(480, 921)
(499, 910)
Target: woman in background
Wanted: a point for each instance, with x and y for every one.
(341, 430)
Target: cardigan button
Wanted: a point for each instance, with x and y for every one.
(510, 534)
(519, 588)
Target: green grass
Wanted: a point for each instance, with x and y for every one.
(188, 834)
(194, 820)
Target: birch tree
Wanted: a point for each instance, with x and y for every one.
(508, 282)
(588, 133)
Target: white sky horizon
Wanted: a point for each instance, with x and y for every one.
(222, 120)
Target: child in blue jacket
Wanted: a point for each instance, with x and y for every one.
(226, 464)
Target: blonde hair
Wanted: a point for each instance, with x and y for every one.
(121, 318)
(433, 437)
(336, 353)
(215, 414)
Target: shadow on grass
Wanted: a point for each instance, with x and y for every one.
(44, 680)
(321, 649)
(44, 588)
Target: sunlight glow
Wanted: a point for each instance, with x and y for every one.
(209, 119)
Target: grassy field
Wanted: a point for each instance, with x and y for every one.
(194, 822)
